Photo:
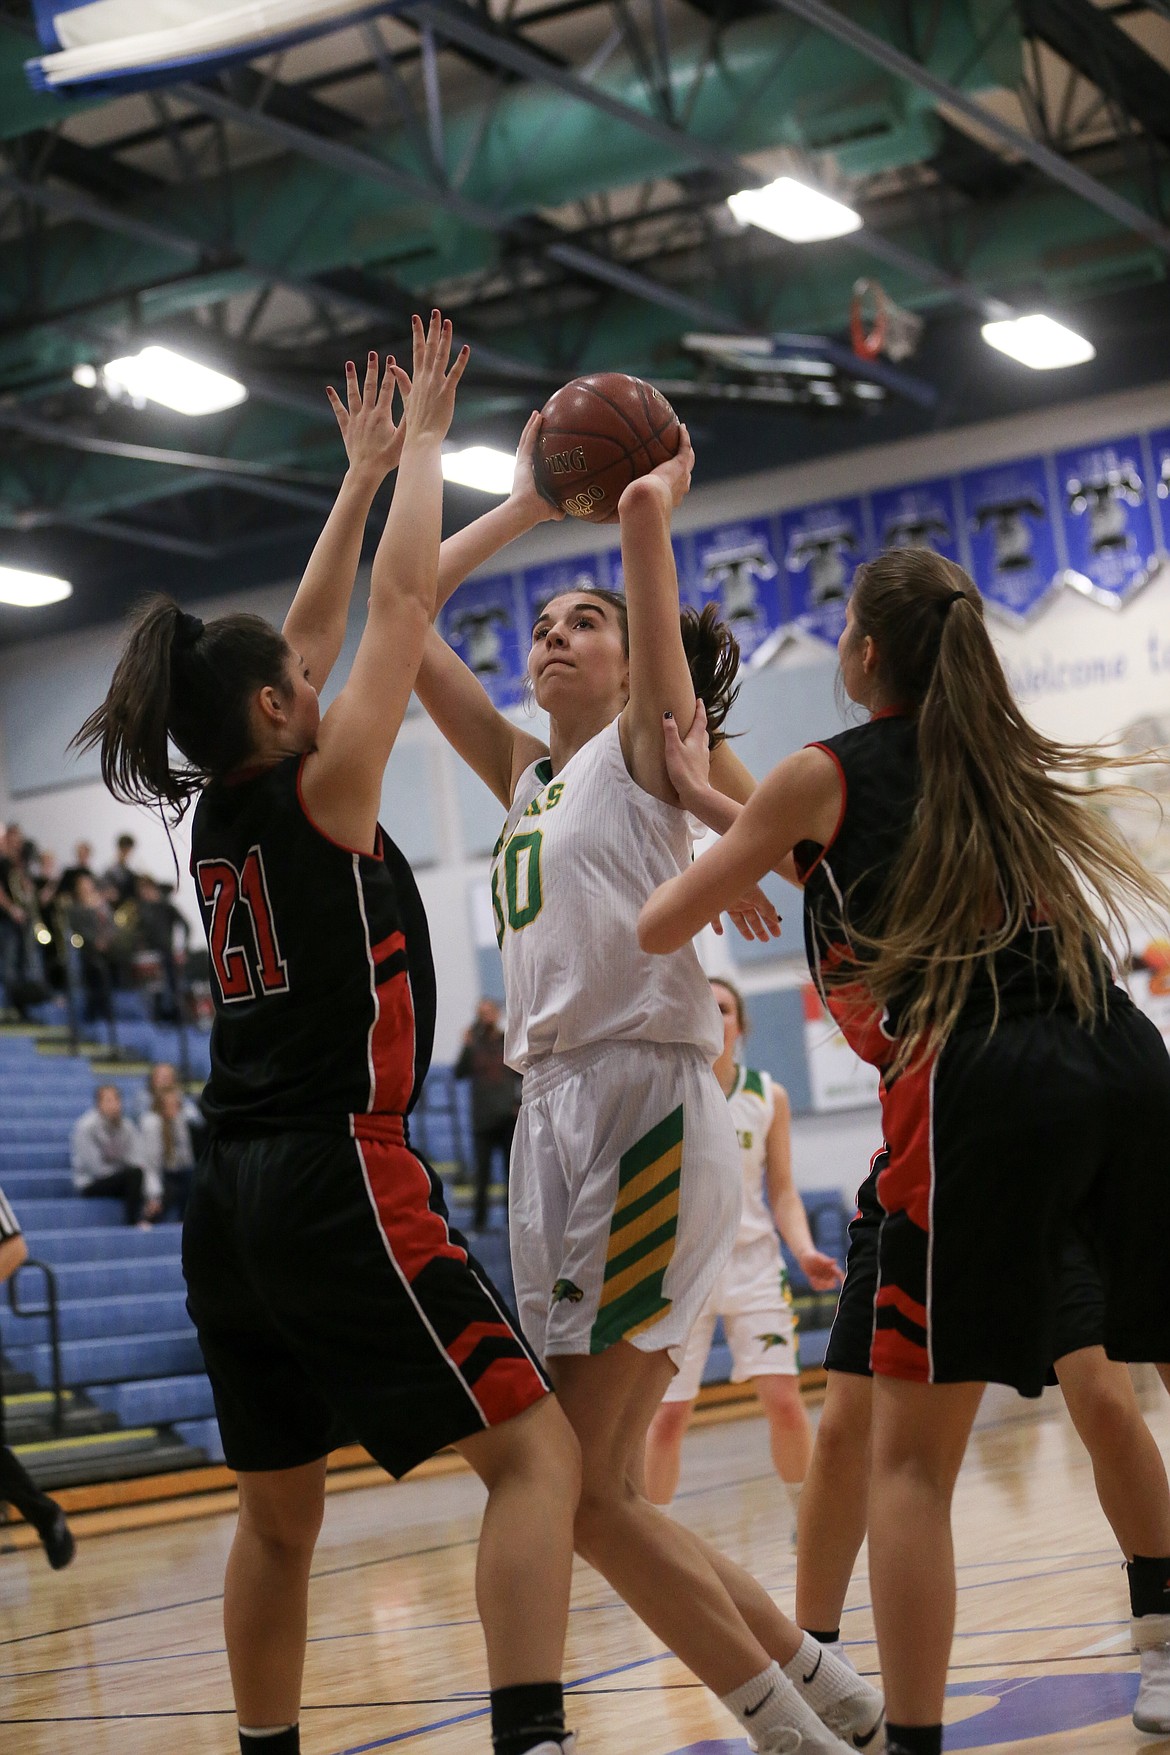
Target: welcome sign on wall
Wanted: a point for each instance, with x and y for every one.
(1094, 519)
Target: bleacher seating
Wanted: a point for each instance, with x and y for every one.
(128, 1351)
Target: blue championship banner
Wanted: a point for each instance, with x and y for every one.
(1108, 519)
(1011, 532)
(480, 624)
(821, 547)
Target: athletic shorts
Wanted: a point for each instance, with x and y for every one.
(1015, 1205)
(333, 1303)
(1080, 1306)
(624, 1197)
(754, 1299)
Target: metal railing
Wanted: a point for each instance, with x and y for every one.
(47, 1309)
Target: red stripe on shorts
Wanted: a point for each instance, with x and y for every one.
(507, 1387)
(904, 1185)
(402, 1189)
(464, 1345)
(894, 1296)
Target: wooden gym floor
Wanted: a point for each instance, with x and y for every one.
(123, 1653)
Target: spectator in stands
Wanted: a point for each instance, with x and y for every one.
(82, 867)
(120, 880)
(105, 1154)
(16, 1486)
(157, 925)
(163, 1077)
(20, 959)
(168, 1151)
(90, 923)
(495, 1098)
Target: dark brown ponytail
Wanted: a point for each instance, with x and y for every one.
(184, 682)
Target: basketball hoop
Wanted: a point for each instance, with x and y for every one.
(891, 330)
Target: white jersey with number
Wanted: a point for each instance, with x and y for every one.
(752, 1105)
(578, 856)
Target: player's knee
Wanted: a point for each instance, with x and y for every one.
(283, 1521)
(670, 1422)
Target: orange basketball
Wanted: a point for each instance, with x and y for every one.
(597, 435)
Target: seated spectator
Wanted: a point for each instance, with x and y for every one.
(105, 1153)
(161, 1078)
(89, 920)
(120, 880)
(168, 1151)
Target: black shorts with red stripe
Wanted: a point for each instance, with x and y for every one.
(1014, 1215)
(333, 1303)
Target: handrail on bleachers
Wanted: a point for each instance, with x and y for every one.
(49, 1310)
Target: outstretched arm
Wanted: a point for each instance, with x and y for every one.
(316, 622)
(798, 801)
(821, 1271)
(660, 678)
(343, 776)
(477, 542)
(460, 706)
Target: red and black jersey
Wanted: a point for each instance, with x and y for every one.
(846, 884)
(321, 964)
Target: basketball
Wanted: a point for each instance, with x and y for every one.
(597, 435)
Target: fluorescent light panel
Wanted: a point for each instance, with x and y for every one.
(31, 590)
(482, 467)
(793, 211)
(158, 375)
(1039, 342)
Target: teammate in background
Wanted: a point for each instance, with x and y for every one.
(17, 1486)
(625, 1181)
(964, 904)
(329, 1295)
(752, 1294)
(1128, 1470)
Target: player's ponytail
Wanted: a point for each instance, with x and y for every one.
(713, 660)
(1008, 832)
(184, 682)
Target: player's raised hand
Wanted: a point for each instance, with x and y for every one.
(433, 387)
(671, 479)
(372, 439)
(525, 495)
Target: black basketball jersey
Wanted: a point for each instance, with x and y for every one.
(321, 964)
(846, 883)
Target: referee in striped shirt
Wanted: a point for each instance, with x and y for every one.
(16, 1486)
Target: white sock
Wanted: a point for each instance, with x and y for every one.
(264, 1730)
(768, 1702)
(820, 1678)
(1150, 1630)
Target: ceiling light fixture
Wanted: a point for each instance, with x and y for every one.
(793, 211)
(30, 590)
(1039, 342)
(158, 375)
(482, 467)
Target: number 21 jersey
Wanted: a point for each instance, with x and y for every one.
(578, 856)
(321, 965)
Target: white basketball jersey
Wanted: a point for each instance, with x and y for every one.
(578, 856)
(752, 1104)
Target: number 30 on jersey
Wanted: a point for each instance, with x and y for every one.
(522, 899)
